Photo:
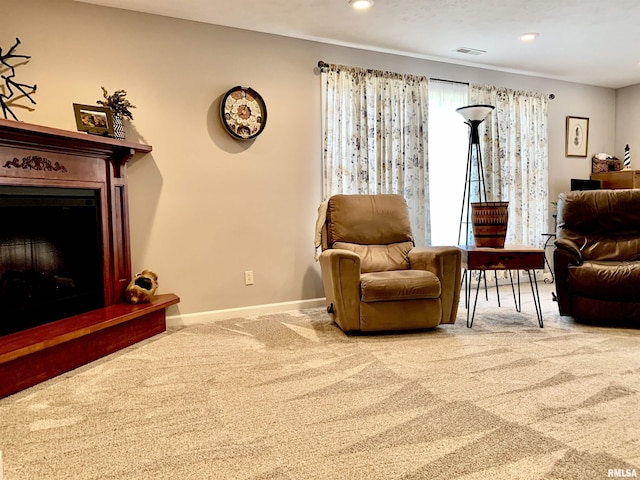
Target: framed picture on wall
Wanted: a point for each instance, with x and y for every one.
(94, 120)
(577, 140)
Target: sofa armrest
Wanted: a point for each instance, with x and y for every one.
(341, 281)
(565, 255)
(446, 264)
(570, 249)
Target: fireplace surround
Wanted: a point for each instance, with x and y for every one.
(64, 178)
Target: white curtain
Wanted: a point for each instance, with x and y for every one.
(448, 147)
(515, 158)
(375, 137)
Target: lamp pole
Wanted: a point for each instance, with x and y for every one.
(474, 115)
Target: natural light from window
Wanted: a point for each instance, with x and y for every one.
(448, 147)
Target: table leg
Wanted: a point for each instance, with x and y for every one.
(516, 298)
(466, 281)
(519, 309)
(546, 260)
(475, 302)
(513, 291)
(536, 297)
(463, 282)
(486, 292)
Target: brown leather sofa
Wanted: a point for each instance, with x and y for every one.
(597, 255)
(374, 277)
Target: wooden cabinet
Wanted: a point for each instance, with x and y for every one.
(618, 179)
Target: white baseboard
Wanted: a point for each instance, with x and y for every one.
(217, 315)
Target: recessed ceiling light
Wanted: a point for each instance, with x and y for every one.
(529, 37)
(361, 4)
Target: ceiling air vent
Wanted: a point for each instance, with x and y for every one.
(469, 51)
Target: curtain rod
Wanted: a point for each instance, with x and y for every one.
(551, 95)
(448, 81)
(322, 65)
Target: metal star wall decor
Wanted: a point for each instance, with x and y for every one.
(8, 63)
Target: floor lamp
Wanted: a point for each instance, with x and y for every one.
(474, 115)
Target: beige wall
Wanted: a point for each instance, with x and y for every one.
(204, 207)
(628, 123)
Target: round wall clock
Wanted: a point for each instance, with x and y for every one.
(243, 113)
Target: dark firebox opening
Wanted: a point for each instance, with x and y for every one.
(50, 255)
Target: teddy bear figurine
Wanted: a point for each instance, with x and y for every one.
(142, 287)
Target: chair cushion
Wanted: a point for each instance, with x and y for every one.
(600, 212)
(399, 285)
(615, 281)
(380, 258)
(368, 219)
(605, 224)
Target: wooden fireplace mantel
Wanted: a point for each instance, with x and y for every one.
(39, 156)
(20, 134)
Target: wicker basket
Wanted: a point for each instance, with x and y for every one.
(489, 221)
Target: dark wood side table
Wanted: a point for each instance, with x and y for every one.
(511, 257)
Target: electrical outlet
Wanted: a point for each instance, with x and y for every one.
(248, 277)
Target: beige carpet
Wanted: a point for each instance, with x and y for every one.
(289, 396)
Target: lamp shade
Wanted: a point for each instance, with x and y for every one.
(475, 113)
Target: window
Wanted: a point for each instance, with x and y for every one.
(448, 147)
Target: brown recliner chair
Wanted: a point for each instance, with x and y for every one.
(597, 255)
(374, 277)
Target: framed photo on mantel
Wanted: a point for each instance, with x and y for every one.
(577, 137)
(94, 120)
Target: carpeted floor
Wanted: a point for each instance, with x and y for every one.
(289, 396)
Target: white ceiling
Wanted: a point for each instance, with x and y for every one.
(596, 42)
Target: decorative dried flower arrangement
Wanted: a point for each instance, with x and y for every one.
(118, 103)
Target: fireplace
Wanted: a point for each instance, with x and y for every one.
(64, 253)
(50, 255)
